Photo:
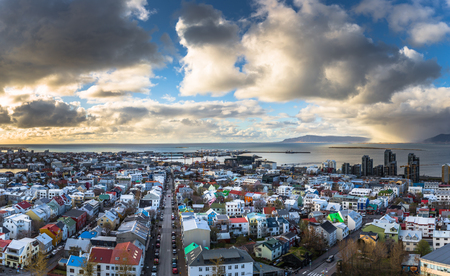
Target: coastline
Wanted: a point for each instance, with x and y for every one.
(373, 148)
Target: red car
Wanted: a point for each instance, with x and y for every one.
(156, 261)
(175, 270)
(157, 245)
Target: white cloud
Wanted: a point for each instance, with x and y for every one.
(429, 33)
(168, 98)
(138, 9)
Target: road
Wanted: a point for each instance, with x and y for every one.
(165, 265)
(320, 266)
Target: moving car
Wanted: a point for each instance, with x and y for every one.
(330, 259)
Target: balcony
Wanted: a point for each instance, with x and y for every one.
(12, 258)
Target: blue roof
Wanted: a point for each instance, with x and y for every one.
(76, 261)
(64, 261)
(88, 235)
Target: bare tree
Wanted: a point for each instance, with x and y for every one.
(259, 205)
(38, 266)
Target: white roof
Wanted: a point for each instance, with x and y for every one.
(441, 234)
(192, 224)
(420, 220)
(44, 238)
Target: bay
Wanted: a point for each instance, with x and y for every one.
(432, 156)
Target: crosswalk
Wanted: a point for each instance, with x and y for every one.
(309, 273)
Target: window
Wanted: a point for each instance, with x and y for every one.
(81, 271)
(229, 267)
(242, 273)
(236, 267)
(199, 269)
(437, 244)
(207, 268)
(236, 274)
(71, 270)
(107, 267)
(242, 266)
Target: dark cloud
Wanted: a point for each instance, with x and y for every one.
(168, 45)
(205, 25)
(47, 113)
(63, 39)
(4, 117)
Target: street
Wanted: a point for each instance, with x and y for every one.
(320, 267)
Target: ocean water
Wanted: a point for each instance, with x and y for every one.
(431, 156)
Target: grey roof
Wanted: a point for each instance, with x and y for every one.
(230, 256)
(83, 244)
(289, 235)
(283, 212)
(440, 255)
(327, 226)
(222, 217)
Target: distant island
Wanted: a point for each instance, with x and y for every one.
(438, 139)
(326, 139)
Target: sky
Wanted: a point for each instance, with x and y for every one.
(137, 71)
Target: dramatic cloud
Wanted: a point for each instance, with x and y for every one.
(315, 52)
(213, 49)
(4, 117)
(47, 113)
(411, 115)
(118, 83)
(68, 39)
(417, 19)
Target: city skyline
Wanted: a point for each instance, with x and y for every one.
(122, 71)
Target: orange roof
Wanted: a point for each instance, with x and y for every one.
(52, 228)
(126, 253)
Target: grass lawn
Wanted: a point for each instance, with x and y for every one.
(298, 252)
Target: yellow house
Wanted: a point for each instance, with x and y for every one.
(53, 232)
(369, 237)
(110, 218)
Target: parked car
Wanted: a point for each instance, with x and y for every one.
(156, 261)
(174, 265)
(154, 268)
(174, 251)
(174, 246)
(175, 270)
(157, 245)
(174, 260)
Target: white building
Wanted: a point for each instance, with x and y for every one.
(360, 192)
(234, 208)
(284, 190)
(19, 225)
(352, 219)
(425, 225)
(197, 231)
(233, 262)
(440, 238)
(410, 239)
(341, 230)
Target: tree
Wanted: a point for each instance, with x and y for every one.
(89, 268)
(423, 248)
(213, 233)
(313, 240)
(259, 204)
(75, 250)
(38, 266)
(107, 226)
(217, 267)
(396, 256)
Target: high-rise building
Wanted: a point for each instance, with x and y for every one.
(346, 169)
(378, 171)
(446, 173)
(366, 166)
(390, 163)
(412, 170)
(356, 170)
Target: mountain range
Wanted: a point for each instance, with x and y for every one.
(438, 139)
(326, 139)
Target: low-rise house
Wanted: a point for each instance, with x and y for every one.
(45, 243)
(53, 231)
(369, 237)
(64, 230)
(341, 231)
(239, 226)
(22, 207)
(440, 238)
(234, 208)
(219, 208)
(70, 224)
(352, 219)
(76, 265)
(80, 217)
(196, 231)
(201, 261)
(110, 217)
(257, 225)
(108, 259)
(3, 246)
(21, 252)
(40, 213)
(132, 230)
(4, 233)
(273, 227)
(83, 246)
(19, 225)
(327, 230)
(270, 249)
(410, 239)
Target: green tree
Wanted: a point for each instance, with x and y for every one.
(213, 233)
(423, 248)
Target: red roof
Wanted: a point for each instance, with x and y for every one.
(268, 210)
(24, 205)
(238, 220)
(59, 200)
(52, 228)
(4, 244)
(310, 220)
(234, 192)
(126, 253)
(101, 255)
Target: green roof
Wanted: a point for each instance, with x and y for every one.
(67, 221)
(218, 206)
(335, 217)
(103, 196)
(190, 247)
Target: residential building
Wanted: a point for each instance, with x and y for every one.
(440, 239)
(410, 239)
(78, 216)
(75, 265)
(234, 208)
(197, 231)
(239, 226)
(130, 231)
(369, 237)
(45, 243)
(110, 217)
(19, 226)
(425, 225)
(53, 231)
(436, 262)
(352, 219)
(235, 261)
(327, 230)
(83, 246)
(20, 252)
(269, 249)
(257, 225)
(341, 231)
(3, 246)
(70, 224)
